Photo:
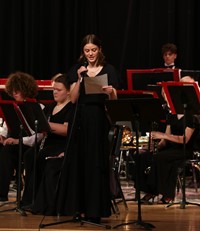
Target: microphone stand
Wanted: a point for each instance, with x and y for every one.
(76, 219)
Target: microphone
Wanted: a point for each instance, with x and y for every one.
(85, 64)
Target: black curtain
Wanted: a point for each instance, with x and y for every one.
(42, 37)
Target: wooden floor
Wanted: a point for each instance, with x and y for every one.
(173, 218)
(153, 217)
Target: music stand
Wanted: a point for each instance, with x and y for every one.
(23, 118)
(183, 97)
(136, 111)
(14, 125)
(158, 90)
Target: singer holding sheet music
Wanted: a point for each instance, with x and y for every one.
(87, 162)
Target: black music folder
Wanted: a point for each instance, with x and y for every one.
(144, 110)
(10, 117)
(29, 113)
(181, 94)
(147, 109)
(26, 114)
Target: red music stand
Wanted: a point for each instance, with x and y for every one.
(138, 79)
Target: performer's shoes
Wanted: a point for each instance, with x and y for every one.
(29, 209)
(165, 200)
(148, 199)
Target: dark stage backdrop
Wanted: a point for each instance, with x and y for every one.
(42, 37)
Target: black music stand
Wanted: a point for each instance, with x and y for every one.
(183, 97)
(158, 90)
(137, 111)
(34, 121)
(24, 118)
(15, 126)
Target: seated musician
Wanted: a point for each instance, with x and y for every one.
(41, 199)
(169, 53)
(20, 86)
(161, 177)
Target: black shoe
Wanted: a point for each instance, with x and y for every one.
(28, 208)
(147, 199)
(165, 200)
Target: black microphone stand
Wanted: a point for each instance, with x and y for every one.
(76, 219)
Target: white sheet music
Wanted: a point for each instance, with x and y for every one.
(93, 85)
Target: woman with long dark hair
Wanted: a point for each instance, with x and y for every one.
(85, 186)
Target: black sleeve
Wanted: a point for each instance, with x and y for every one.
(113, 75)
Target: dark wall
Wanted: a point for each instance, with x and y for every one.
(43, 37)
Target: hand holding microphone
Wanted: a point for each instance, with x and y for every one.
(83, 70)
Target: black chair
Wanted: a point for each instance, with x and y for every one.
(193, 167)
(115, 138)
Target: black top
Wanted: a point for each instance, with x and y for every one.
(64, 115)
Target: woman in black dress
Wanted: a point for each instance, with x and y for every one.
(85, 187)
(51, 151)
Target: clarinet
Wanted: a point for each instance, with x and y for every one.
(155, 145)
(155, 142)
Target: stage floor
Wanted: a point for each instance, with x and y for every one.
(173, 218)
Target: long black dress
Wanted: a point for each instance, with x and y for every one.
(162, 177)
(47, 170)
(84, 185)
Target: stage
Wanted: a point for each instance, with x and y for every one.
(172, 218)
